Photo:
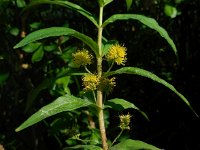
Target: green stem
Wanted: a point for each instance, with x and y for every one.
(99, 101)
(110, 67)
(100, 30)
(87, 69)
(94, 95)
(117, 137)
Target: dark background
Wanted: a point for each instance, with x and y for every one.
(172, 125)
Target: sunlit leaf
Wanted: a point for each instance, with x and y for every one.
(133, 145)
(121, 104)
(61, 104)
(67, 4)
(150, 22)
(57, 31)
(170, 11)
(145, 73)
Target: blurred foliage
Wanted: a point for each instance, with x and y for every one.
(27, 76)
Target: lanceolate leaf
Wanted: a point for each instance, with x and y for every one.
(37, 55)
(121, 104)
(128, 4)
(57, 31)
(61, 104)
(65, 4)
(133, 145)
(145, 73)
(29, 48)
(150, 22)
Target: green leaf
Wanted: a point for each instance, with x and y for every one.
(50, 48)
(31, 47)
(38, 55)
(178, 1)
(104, 2)
(14, 31)
(150, 22)
(88, 147)
(57, 31)
(35, 25)
(133, 145)
(3, 77)
(121, 104)
(61, 104)
(170, 11)
(145, 73)
(128, 4)
(20, 3)
(67, 4)
(61, 85)
(95, 137)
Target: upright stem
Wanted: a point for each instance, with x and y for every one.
(100, 30)
(99, 101)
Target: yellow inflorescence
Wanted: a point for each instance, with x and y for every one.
(125, 121)
(117, 53)
(82, 58)
(90, 82)
(106, 84)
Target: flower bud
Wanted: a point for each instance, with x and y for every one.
(125, 121)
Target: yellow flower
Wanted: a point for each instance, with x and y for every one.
(106, 84)
(117, 53)
(82, 58)
(90, 82)
(125, 121)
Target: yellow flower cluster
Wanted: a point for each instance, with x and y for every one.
(82, 58)
(125, 121)
(107, 85)
(117, 53)
(92, 82)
